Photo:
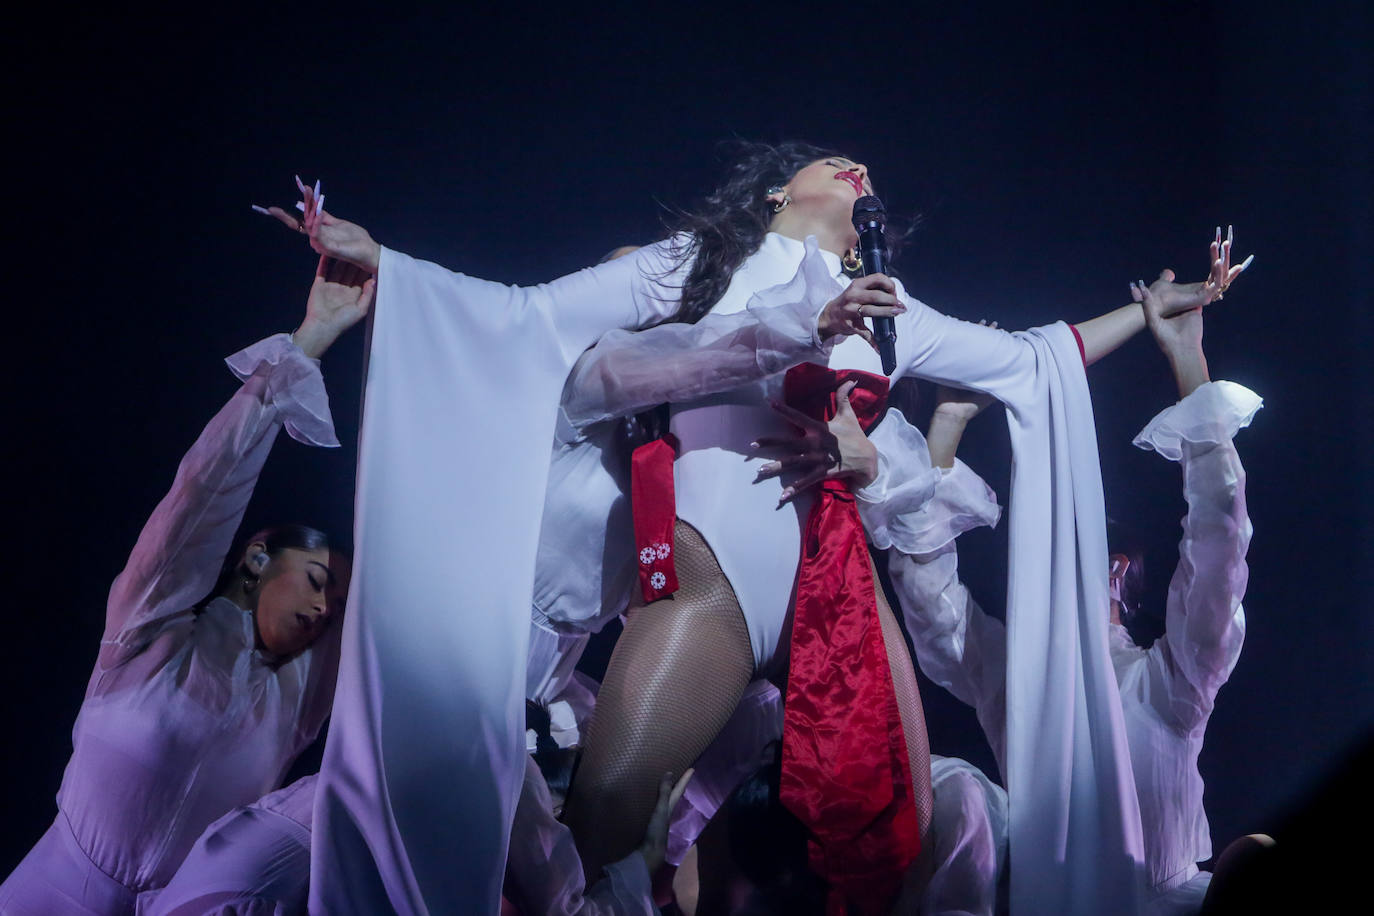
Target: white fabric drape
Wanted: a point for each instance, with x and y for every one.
(1075, 834)
(463, 385)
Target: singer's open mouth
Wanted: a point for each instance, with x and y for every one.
(853, 180)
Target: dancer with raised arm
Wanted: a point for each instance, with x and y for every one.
(450, 635)
(1168, 689)
(213, 672)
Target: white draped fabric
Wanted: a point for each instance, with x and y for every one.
(1075, 834)
(463, 386)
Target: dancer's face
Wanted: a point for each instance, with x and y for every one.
(299, 593)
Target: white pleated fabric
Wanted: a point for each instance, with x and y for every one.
(425, 756)
(1075, 833)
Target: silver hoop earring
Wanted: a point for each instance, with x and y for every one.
(780, 205)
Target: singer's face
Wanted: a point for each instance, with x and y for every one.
(829, 187)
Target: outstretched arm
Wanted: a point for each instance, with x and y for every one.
(1205, 624)
(638, 290)
(1105, 333)
(178, 554)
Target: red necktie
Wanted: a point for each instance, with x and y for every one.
(845, 772)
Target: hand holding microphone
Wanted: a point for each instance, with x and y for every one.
(870, 221)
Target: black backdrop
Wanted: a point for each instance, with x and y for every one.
(1054, 156)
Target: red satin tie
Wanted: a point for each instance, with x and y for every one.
(845, 772)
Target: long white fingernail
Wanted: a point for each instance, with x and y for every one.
(317, 187)
(300, 205)
(262, 210)
(300, 185)
(1246, 263)
(319, 204)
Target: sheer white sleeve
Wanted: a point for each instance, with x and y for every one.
(916, 508)
(178, 554)
(958, 646)
(544, 870)
(1205, 622)
(629, 371)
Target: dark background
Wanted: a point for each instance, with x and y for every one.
(1054, 155)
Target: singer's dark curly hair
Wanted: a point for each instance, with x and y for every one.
(732, 221)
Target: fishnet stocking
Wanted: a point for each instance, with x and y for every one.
(675, 677)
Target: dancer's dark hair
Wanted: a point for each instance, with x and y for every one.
(1122, 539)
(556, 764)
(769, 846)
(276, 539)
(731, 222)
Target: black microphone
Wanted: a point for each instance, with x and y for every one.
(870, 220)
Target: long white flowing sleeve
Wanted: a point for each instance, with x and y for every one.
(1075, 833)
(1205, 622)
(424, 760)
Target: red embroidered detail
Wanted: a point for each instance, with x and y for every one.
(654, 504)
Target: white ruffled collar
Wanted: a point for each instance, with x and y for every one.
(796, 250)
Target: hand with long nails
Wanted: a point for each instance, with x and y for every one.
(823, 451)
(329, 235)
(1173, 298)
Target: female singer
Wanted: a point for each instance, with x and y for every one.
(783, 216)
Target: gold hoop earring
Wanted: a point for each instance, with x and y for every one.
(852, 262)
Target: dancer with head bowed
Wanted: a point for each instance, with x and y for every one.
(450, 636)
(216, 668)
(1168, 689)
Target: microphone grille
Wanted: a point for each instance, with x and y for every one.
(868, 209)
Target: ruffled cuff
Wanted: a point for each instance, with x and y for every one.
(1211, 415)
(631, 885)
(294, 386)
(960, 501)
(963, 501)
(788, 314)
(904, 484)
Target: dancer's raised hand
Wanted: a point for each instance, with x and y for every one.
(1175, 333)
(655, 845)
(1179, 336)
(329, 235)
(339, 298)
